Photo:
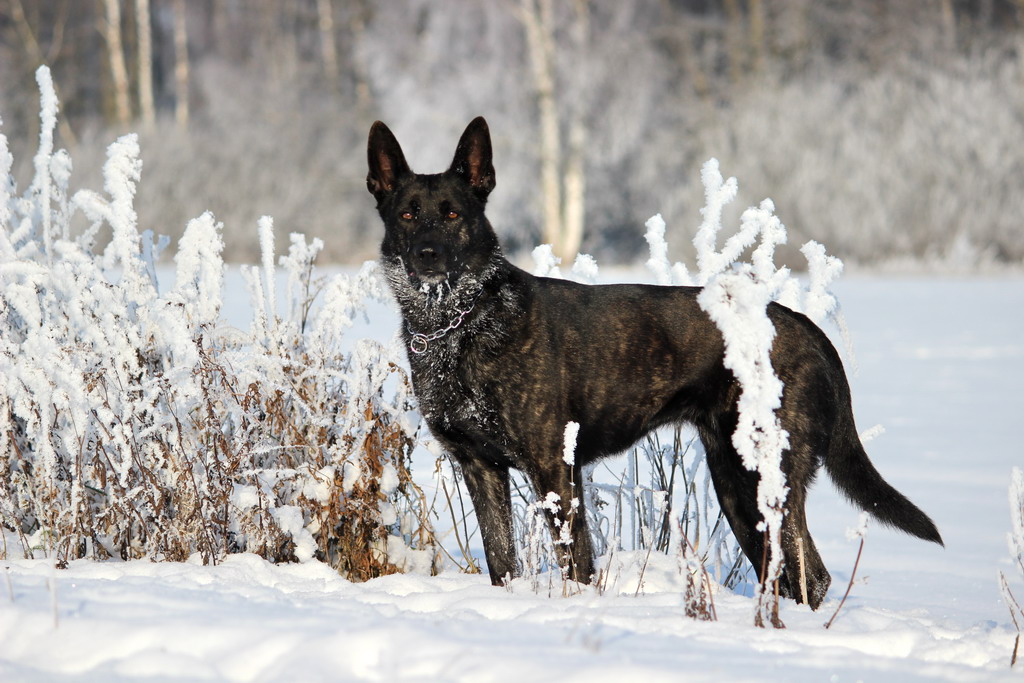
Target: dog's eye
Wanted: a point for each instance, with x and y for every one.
(407, 215)
(452, 215)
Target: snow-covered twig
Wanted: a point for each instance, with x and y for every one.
(861, 533)
(1015, 540)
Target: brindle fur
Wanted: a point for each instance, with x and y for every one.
(535, 353)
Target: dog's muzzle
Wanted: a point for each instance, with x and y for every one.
(428, 262)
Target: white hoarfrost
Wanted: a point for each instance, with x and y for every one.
(42, 183)
(737, 303)
(199, 278)
(861, 530)
(717, 194)
(584, 269)
(572, 431)
(266, 231)
(289, 520)
(545, 263)
(658, 263)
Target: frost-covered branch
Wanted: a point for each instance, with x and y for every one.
(736, 296)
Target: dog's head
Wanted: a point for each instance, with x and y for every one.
(436, 234)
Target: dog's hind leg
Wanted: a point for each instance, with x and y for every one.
(736, 489)
(488, 486)
(805, 577)
(574, 547)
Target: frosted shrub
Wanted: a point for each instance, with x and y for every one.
(130, 428)
(662, 501)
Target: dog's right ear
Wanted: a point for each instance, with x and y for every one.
(473, 158)
(387, 163)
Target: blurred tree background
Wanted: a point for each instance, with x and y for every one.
(890, 131)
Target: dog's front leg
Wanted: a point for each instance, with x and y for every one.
(488, 486)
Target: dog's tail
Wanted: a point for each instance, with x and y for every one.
(849, 467)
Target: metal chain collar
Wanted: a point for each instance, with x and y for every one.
(419, 342)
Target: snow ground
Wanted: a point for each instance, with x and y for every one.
(941, 365)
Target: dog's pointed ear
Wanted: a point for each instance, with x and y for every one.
(387, 163)
(473, 158)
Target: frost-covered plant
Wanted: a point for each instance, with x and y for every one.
(859, 532)
(542, 552)
(698, 600)
(129, 427)
(735, 296)
(737, 299)
(539, 556)
(1016, 542)
(546, 264)
(330, 423)
(664, 487)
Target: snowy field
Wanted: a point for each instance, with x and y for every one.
(940, 366)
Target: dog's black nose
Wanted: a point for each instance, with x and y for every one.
(429, 256)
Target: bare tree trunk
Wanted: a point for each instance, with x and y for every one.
(734, 44)
(35, 51)
(277, 40)
(328, 49)
(574, 215)
(357, 26)
(537, 17)
(682, 31)
(147, 109)
(181, 78)
(792, 24)
(1020, 6)
(757, 34)
(115, 52)
(948, 17)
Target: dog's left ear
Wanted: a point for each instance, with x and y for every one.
(387, 163)
(473, 158)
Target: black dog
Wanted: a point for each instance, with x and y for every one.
(502, 361)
